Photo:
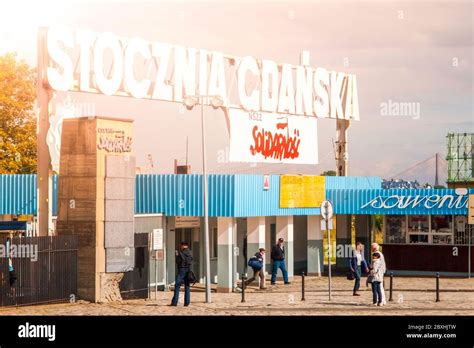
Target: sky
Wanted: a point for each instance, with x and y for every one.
(417, 52)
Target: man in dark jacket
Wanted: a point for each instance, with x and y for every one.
(278, 258)
(184, 262)
(256, 263)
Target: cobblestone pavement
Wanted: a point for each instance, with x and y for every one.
(411, 296)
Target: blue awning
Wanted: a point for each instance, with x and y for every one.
(12, 225)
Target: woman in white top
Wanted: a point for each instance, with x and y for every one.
(377, 274)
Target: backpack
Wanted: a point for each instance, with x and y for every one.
(255, 263)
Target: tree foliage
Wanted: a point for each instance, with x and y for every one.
(17, 117)
(329, 173)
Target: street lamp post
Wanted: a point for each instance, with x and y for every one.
(216, 102)
(206, 215)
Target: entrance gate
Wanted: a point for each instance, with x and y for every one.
(44, 270)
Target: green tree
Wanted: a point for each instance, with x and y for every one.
(329, 173)
(17, 118)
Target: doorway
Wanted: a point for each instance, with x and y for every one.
(184, 235)
(187, 235)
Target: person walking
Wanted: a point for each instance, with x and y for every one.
(374, 247)
(357, 264)
(184, 262)
(278, 258)
(257, 263)
(377, 275)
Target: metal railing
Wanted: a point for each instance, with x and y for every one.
(37, 270)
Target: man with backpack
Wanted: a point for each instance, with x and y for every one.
(278, 258)
(256, 262)
(184, 262)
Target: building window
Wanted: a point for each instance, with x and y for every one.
(462, 230)
(395, 228)
(418, 228)
(427, 229)
(418, 238)
(418, 224)
(442, 229)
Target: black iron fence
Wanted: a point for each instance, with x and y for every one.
(38, 270)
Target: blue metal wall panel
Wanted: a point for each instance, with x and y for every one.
(229, 195)
(252, 200)
(181, 194)
(221, 195)
(353, 182)
(353, 201)
(18, 194)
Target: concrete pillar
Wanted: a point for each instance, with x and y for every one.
(241, 265)
(235, 274)
(342, 146)
(255, 238)
(44, 168)
(362, 232)
(343, 240)
(284, 229)
(171, 247)
(225, 255)
(196, 251)
(270, 222)
(315, 246)
(255, 234)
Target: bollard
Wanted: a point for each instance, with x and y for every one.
(302, 287)
(244, 278)
(391, 287)
(437, 287)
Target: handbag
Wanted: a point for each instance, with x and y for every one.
(370, 278)
(350, 275)
(255, 263)
(191, 277)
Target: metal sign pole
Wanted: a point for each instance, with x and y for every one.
(149, 255)
(207, 248)
(156, 273)
(469, 225)
(469, 251)
(327, 213)
(329, 250)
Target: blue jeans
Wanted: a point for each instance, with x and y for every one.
(279, 264)
(376, 292)
(357, 274)
(181, 278)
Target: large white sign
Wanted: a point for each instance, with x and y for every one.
(104, 63)
(272, 138)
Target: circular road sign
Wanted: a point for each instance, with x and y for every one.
(327, 210)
